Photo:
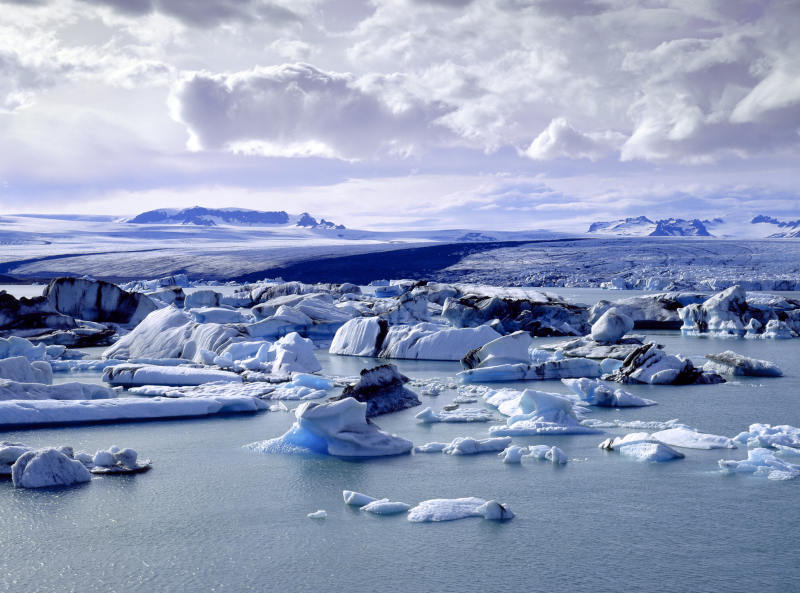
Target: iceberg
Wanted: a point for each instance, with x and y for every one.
(450, 509)
(133, 374)
(385, 507)
(552, 369)
(320, 514)
(117, 461)
(337, 428)
(649, 364)
(641, 447)
(32, 391)
(545, 453)
(690, 439)
(9, 453)
(509, 349)
(47, 467)
(538, 412)
(731, 363)
(513, 454)
(22, 370)
(362, 336)
(383, 389)
(596, 393)
(96, 300)
(356, 499)
(766, 435)
(761, 462)
(55, 412)
(611, 326)
(428, 416)
(471, 446)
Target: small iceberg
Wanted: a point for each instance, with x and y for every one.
(385, 507)
(641, 447)
(596, 393)
(690, 439)
(428, 416)
(546, 453)
(762, 462)
(542, 413)
(450, 509)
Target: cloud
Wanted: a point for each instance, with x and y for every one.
(299, 110)
(560, 139)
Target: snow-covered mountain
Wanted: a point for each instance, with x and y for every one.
(782, 228)
(229, 216)
(641, 226)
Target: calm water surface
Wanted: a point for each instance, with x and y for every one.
(211, 516)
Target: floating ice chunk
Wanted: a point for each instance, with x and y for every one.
(431, 448)
(546, 453)
(20, 369)
(385, 507)
(117, 461)
(766, 435)
(383, 389)
(762, 462)
(320, 514)
(337, 428)
(554, 369)
(362, 336)
(428, 416)
(596, 393)
(294, 354)
(35, 391)
(641, 447)
(312, 381)
(512, 348)
(132, 374)
(495, 511)
(471, 446)
(47, 467)
(428, 341)
(450, 509)
(46, 412)
(9, 453)
(513, 454)
(540, 413)
(731, 363)
(611, 326)
(689, 439)
(649, 364)
(356, 499)
(17, 346)
(784, 450)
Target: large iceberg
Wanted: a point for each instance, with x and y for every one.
(337, 428)
(96, 300)
(537, 412)
(47, 467)
(449, 509)
(510, 349)
(611, 326)
(362, 336)
(55, 412)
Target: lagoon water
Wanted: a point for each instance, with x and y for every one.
(212, 516)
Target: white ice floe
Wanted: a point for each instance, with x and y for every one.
(537, 412)
(115, 460)
(424, 341)
(19, 368)
(513, 454)
(294, 354)
(449, 509)
(132, 374)
(731, 363)
(762, 462)
(552, 369)
(766, 435)
(596, 393)
(320, 514)
(611, 326)
(384, 506)
(510, 349)
(471, 446)
(649, 364)
(356, 499)
(547, 453)
(641, 447)
(431, 447)
(337, 428)
(428, 416)
(47, 467)
(9, 453)
(49, 412)
(33, 391)
(690, 439)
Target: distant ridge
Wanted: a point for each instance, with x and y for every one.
(641, 226)
(210, 217)
(792, 227)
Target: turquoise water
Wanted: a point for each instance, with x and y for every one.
(211, 516)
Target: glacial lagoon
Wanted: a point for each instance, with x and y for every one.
(212, 516)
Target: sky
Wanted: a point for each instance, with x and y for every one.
(490, 114)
